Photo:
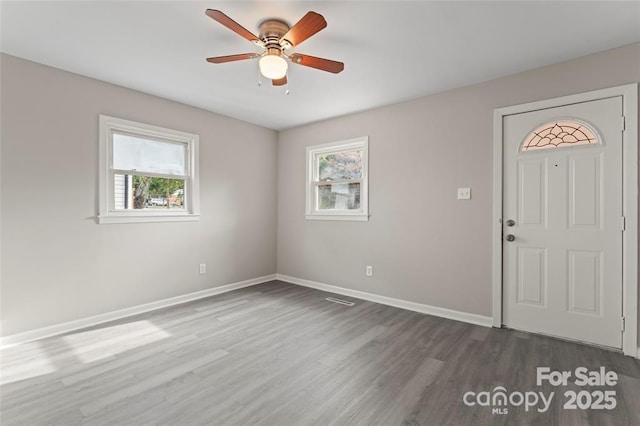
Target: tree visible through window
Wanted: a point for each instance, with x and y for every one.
(151, 192)
(340, 167)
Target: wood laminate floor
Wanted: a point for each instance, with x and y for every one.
(280, 354)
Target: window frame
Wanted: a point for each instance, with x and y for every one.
(107, 213)
(312, 212)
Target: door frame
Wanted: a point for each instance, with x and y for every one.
(629, 95)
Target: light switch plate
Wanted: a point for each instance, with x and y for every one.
(464, 193)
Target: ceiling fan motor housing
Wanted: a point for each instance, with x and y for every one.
(271, 31)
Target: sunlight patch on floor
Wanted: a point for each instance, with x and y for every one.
(36, 364)
(104, 342)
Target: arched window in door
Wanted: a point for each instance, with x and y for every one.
(559, 134)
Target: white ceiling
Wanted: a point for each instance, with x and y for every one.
(392, 51)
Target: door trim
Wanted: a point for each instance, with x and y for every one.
(629, 95)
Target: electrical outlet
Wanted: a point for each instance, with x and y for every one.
(464, 193)
(369, 271)
(203, 268)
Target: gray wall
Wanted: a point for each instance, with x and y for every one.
(57, 263)
(424, 244)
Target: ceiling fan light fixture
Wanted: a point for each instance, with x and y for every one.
(273, 67)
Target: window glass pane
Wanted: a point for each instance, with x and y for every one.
(132, 192)
(339, 165)
(339, 196)
(559, 134)
(145, 155)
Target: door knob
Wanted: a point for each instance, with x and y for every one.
(510, 238)
(511, 222)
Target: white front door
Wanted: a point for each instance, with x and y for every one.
(562, 221)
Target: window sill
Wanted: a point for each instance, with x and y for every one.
(351, 217)
(147, 218)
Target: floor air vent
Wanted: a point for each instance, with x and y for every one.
(340, 301)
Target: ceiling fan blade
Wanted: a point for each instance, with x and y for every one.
(280, 81)
(307, 26)
(317, 63)
(216, 15)
(231, 58)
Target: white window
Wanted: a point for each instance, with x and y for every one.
(337, 180)
(147, 173)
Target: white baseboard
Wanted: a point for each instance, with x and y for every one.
(66, 327)
(398, 303)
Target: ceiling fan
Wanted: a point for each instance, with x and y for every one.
(275, 38)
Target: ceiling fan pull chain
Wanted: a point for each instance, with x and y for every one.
(286, 87)
(259, 77)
